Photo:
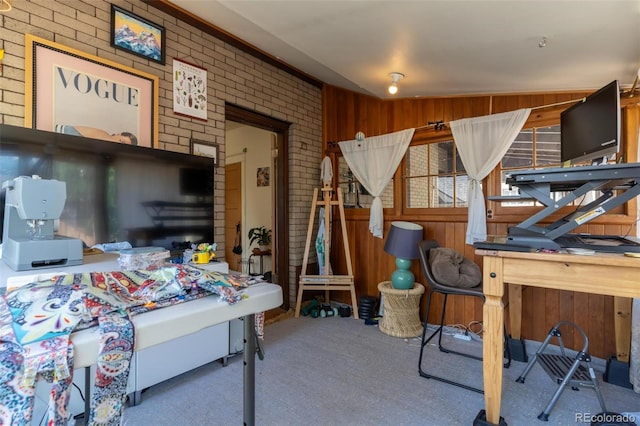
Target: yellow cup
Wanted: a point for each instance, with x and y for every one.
(202, 257)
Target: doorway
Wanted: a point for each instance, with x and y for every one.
(279, 180)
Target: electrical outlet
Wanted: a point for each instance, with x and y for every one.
(462, 337)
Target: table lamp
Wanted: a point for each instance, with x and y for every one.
(402, 242)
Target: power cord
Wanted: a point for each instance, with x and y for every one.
(79, 391)
(478, 332)
(472, 331)
(629, 230)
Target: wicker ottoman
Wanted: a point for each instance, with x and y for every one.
(401, 310)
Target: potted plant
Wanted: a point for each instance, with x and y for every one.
(260, 235)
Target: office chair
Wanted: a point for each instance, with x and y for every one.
(424, 248)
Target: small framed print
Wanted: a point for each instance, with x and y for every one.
(189, 90)
(263, 176)
(205, 149)
(136, 35)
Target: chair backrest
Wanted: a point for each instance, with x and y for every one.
(424, 248)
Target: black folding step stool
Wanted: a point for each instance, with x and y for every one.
(564, 369)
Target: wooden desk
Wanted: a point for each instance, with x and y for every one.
(604, 273)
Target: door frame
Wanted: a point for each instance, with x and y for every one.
(280, 273)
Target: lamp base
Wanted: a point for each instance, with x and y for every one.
(402, 278)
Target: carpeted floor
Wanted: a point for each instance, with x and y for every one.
(338, 371)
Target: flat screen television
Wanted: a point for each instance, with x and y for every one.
(590, 130)
(196, 181)
(116, 192)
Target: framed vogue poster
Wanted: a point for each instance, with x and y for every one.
(136, 35)
(72, 92)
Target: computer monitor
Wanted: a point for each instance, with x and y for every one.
(590, 130)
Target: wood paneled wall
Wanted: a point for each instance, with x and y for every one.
(345, 113)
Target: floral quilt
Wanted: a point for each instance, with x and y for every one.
(37, 319)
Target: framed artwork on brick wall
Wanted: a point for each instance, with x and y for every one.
(189, 90)
(205, 149)
(136, 35)
(73, 92)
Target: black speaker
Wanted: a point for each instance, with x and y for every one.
(367, 307)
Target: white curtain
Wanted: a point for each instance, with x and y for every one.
(373, 162)
(481, 143)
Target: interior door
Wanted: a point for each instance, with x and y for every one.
(233, 214)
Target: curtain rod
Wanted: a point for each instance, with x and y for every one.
(437, 124)
(441, 124)
(559, 103)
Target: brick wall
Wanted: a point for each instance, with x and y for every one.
(233, 76)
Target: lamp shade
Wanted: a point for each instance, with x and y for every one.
(403, 240)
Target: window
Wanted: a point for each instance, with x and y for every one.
(434, 176)
(534, 148)
(354, 194)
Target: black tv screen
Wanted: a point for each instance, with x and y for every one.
(590, 130)
(196, 181)
(116, 192)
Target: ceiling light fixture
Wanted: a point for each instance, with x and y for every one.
(395, 77)
(5, 5)
(542, 43)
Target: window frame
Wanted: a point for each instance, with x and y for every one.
(426, 138)
(494, 180)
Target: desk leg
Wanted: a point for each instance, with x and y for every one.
(249, 355)
(515, 342)
(493, 340)
(617, 371)
(515, 310)
(87, 394)
(622, 327)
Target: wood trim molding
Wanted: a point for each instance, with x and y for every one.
(187, 17)
(253, 118)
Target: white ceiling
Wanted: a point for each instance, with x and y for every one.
(444, 47)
